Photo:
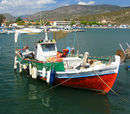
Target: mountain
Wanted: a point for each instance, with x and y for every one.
(115, 17)
(9, 17)
(74, 11)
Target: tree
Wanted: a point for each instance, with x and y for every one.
(93, 23)
(2, 18)
(8, 23)
(19, 19)
(72, 23)
(29, 23)
(37, 22)
(21, 23)
(83, 22)
(65, 19)
(48, 23)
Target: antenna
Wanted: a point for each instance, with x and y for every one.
(122, 48)
(46, 36)
(128, 45)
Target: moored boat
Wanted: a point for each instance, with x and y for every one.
(67, 68)
(30, 30)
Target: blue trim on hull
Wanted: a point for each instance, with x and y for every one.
(83, 76)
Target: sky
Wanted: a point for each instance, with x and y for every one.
(27, 7)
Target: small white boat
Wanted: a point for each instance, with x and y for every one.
(30, 30)
(10, 31)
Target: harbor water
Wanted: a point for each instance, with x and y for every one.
(19, 94)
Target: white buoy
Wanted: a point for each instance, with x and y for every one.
(48, 77)
(24, 67)
(20, 67)
(34, 73)
(15, 62)
(30, 69)
(43, 72)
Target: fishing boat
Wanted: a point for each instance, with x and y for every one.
(66, 68)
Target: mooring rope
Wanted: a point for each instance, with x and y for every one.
(123, 99)
(57, 84)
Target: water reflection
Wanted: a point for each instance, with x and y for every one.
(63, 100)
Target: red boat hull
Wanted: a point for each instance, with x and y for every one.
(101, 83)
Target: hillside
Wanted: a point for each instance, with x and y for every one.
(115, 17)
(111, 13)
(9, 17)
(74, 11)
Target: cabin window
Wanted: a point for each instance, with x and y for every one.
(48, 47)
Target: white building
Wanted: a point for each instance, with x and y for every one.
(62, 23)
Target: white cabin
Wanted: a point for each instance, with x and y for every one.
(46, 49)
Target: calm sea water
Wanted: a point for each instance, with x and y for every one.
(19, 94)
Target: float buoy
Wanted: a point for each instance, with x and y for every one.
(51, 76)
(24, 67)
(30, 69)
(15, 63)
(43, 72)
(48, 77)
(34, 72)
(20, 67)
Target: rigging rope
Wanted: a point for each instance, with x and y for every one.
(123, 99)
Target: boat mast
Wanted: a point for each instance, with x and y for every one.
(46, 37)
(76, 41)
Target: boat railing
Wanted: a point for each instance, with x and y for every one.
(103, 59)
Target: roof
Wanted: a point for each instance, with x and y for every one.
(44, 43)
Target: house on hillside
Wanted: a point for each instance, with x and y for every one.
(106, 21)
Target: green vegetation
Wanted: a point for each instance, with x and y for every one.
(90, 23)
(37, 22)
(8, 23)
(94, 23)
(21, 23)
(19, 19)
(86, 15)
(29, 23)
(83, 22)
(48, 23)
(42, 22)
(72, 23)
(115, 17)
